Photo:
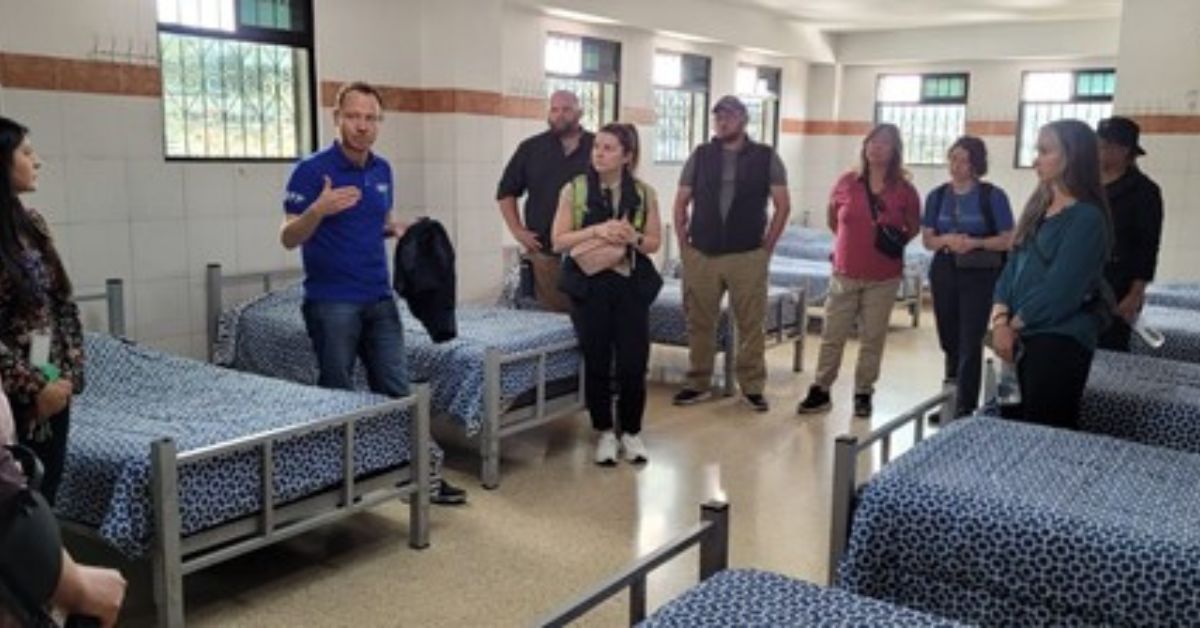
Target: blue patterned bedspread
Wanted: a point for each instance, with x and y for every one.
(1144, 399)
(998, 523)
(136, 396)
(668, 324)
(812, 276)
(1181, 295)
(817, 245)
(747, 597)
(1181, 327)
(805, 243)
(266, 335)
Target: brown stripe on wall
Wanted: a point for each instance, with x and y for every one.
(23, 71)
(446, 100)
(1168, 125)
(1005, 128)
(523, 107)
(793, 126)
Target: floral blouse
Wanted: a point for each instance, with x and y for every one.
(22, 382)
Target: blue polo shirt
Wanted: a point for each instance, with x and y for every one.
(345, 260)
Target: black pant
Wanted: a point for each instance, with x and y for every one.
(52, 452)
(613, 320)
(962, 302)
(1053, 371)
(1117, 337)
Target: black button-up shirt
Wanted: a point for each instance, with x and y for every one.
(1137, 213)
(541, 168)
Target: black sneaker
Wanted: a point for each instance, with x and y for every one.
(816, 401)
(758, 402)
(862, 406)
(447, 494)
(688, 397)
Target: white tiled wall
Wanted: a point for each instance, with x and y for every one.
(117, 209)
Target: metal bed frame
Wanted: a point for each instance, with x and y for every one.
(780, 335)
(711, 534)
(775, 337)
(499, 421)
(848, 448)
(174, 555)
(113, 296)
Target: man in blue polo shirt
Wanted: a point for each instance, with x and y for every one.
(338, 206)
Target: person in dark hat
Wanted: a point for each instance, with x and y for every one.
(1137, 213)
(726, 244)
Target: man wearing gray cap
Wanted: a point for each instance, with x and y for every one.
(726, 245)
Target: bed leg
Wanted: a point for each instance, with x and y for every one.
(845, 457)
(418, 505)
(949, 409)
(212, 306)
(801, 330)
(916, 304)
(489, 439)
(729, 358)
(714, 547)
(114, 291)
(167, 567)
(637, 601)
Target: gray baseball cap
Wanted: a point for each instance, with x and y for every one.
(730, 104)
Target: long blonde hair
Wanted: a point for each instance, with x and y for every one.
(1080, 177)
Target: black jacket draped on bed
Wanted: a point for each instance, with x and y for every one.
(424, 276)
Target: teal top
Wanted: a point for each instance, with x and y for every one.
(1051, 275)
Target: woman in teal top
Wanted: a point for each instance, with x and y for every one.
(1044, 316)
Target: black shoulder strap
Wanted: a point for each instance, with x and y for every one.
(985, 203)
(872, 200)
(939, 197)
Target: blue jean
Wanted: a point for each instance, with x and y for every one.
(343, 332)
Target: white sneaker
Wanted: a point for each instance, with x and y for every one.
(635, 449)
(606, 449)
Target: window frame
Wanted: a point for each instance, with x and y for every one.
(768, 72)
(1075, 99)
(305, 40)
(585, 75)
(926, 101)
(694, 89)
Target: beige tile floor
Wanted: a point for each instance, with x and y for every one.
(559, 524)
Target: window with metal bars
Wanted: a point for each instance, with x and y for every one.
(929, 109)
(590, 69)
(759, 89)
(681, 84)
(237, 79)
(1048, 96)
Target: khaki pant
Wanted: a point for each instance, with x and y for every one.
(546, 270)
(705, 281)
(849, 301)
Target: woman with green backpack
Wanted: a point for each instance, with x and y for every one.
(607, 225)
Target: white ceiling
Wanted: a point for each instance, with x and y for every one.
(855, 15)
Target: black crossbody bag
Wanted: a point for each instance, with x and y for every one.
(889, 240)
